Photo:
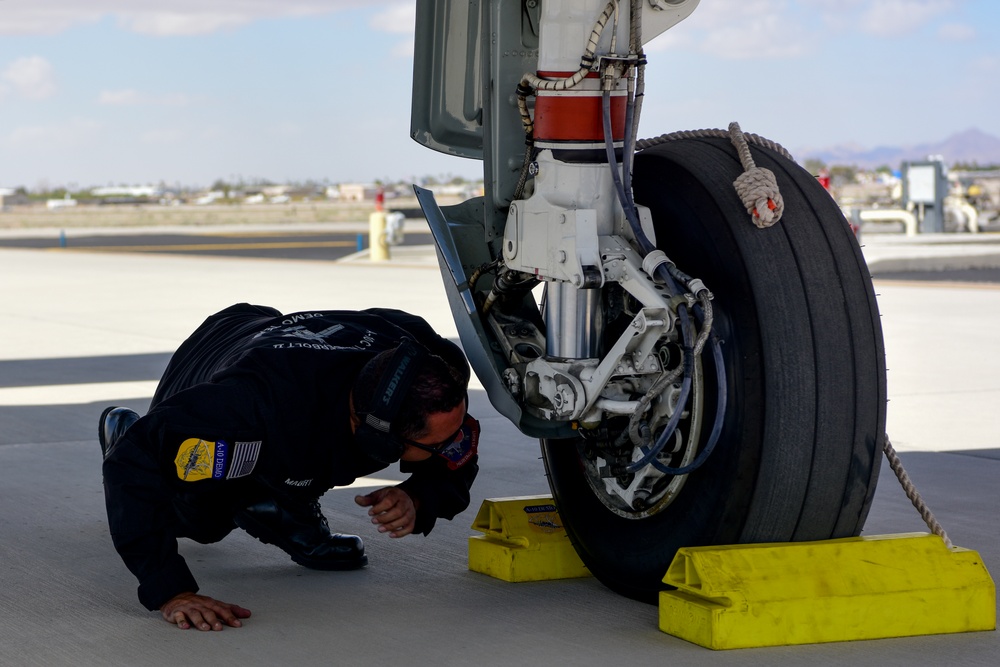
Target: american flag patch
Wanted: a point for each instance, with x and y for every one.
(243, 458)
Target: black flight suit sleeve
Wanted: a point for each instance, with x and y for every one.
(441, 492)
(142, 478)
(138, 503)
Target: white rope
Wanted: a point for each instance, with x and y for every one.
(752, 138)
(756, 186)
(911, 493)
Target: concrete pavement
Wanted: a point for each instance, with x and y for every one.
(84, 330)
(888, 252)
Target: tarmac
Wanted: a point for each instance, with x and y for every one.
(85, 330)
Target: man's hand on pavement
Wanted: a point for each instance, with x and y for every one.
(391, 509)
(190, 610)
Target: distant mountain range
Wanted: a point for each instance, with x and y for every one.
(972, 145)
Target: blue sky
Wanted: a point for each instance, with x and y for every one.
(188, 91)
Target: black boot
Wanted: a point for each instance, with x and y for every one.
(114, 422)
(302, 532)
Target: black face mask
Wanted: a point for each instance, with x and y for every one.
(362, 464)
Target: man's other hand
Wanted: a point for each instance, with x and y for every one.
(391, 509)
(190, 610)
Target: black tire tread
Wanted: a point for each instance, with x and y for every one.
(806, 365)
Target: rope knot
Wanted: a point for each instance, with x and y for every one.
(756, 186)
(758, 190)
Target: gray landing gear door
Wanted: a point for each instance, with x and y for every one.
(458, 235)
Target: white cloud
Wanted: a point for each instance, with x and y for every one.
(732, 13)
(957, 32)
(177, 23)
(773, 29)
(739, 29)
(671, 40)
(839, 17)
(159, 17)
(398, 18)
(31, 77)
(762, 37)
(131, 97)
(39, 18)
(892, 18)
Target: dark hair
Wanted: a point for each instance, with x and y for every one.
(437, 387)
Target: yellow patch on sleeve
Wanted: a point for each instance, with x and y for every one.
(194, 459)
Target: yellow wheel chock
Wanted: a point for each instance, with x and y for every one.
(756, 595)
(523, 540)
(753, 595)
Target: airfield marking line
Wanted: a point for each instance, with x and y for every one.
(282, 233)
(208, 246)
(942, 284)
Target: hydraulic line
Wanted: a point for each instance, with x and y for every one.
(506, 282)
(667, 272)
(646, 247)
(529, 148)
(666, 379)
(631, 215)
(720, 410)
(649, 455)
(655, 390)
(478, 273)
(614, 27)
(628, 147)
(670, 274)
(634, 103)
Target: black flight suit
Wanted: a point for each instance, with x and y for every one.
(254, 406)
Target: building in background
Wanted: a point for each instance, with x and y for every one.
(10, 197)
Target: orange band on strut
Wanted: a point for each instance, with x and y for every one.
(562, 117)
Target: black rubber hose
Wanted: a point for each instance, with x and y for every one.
(609, 145)
(713, 438)
(649, 455)
(671, 276)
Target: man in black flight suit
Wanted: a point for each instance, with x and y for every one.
(257, 415)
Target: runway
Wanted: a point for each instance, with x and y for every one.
(82, 330)
(313, 244)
